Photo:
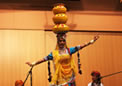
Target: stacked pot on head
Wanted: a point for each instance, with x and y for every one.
(60, 18)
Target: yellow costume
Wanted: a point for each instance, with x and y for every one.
(64, 68)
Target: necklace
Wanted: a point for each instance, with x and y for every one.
(62, 51)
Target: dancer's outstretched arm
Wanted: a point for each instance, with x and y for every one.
(90, 42)
(36, 62)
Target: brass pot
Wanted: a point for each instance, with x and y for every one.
(60, 28)
(60, 18)
(59, 8)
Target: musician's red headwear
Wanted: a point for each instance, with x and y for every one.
(19, 82)
(96, 73)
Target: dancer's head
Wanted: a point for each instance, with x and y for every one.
(61, 40)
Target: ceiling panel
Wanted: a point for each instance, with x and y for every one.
(89, 5)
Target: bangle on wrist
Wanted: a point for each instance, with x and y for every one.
(33, 63)
(92, 41)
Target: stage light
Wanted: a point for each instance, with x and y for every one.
(120, 1)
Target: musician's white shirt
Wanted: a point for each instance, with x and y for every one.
(95, 84)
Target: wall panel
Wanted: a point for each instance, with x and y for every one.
(16, 48)
(20, 46)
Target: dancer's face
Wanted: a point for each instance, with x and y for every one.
(61, 43)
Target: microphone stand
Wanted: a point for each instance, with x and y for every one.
(99, 79)
(29, 73)
(110, 74)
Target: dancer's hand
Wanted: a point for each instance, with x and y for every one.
(96, 37)
(93, 40)
(30, 64)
